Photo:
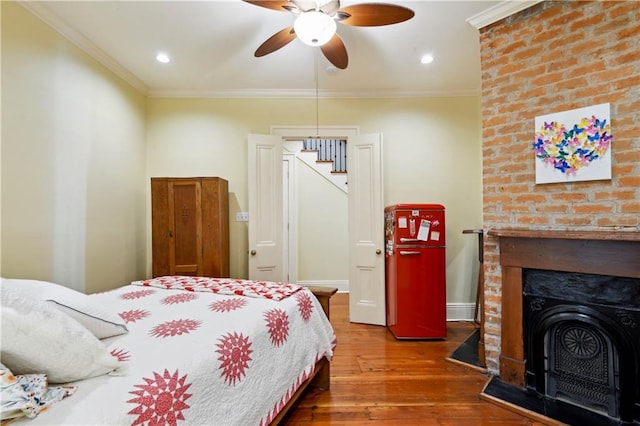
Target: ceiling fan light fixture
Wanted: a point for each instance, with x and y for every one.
(163, 58)
(314, 28)
(426, 59)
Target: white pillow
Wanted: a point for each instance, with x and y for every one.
(77, 305)
(38, 338)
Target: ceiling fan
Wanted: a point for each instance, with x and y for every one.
(316, 20)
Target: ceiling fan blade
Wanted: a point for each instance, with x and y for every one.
(279, 5)
(373, 14)
(276, 41)
(335, 52)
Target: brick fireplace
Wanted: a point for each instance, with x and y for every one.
(598, 254)
(554, 56)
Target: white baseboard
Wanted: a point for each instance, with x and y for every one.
(460, 311)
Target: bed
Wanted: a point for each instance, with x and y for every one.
(169, 350)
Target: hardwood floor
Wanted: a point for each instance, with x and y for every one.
(377, 379)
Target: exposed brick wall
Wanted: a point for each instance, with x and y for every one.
(552, 57)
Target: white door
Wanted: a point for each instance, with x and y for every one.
(366, 230)
(265, 207)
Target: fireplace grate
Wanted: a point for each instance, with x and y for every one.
(579, 369)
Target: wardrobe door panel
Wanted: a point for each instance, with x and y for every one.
(215, 227)
(186, 250)
(161, 230)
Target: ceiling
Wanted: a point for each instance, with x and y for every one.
(211, 44)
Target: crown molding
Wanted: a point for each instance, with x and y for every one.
(77, 38)
(500, 11)
(311, 94)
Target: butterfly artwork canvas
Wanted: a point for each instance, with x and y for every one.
(573, 145)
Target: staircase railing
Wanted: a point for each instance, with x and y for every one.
(334, 150)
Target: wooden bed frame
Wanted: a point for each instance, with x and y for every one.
(322, 372)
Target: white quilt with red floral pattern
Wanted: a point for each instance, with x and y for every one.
(201, 358)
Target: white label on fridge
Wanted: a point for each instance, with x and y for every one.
(435, 235)
(402, 222)
(423, 233)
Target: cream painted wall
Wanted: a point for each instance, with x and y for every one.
(432, 153)
(322, 228)
(76, 141)
(73, 169)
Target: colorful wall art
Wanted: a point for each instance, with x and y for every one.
(573, 145)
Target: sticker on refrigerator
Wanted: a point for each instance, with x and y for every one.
(435, 235)
(423, 233)
(402, 222)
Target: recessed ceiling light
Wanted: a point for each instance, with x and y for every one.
(163, 57)
(426, 59)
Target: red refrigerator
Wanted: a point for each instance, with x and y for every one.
(415, 268)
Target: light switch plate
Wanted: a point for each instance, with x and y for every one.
(242, 217)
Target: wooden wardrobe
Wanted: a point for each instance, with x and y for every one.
(190, 226)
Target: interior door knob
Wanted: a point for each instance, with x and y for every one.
(378, 251)
(253, 252)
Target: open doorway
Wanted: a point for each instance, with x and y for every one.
(315, 215)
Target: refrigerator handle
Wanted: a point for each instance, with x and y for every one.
(408, 252)
(410, 240)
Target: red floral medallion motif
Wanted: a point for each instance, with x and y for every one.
(137, 294)
(235, 351)
(305, 305)
(228, 305)
(278, 325)
(175, 328)
(134, 315)
(121, 354)
(179, 298)
(161, 400)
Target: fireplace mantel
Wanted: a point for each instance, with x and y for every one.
(591, 252)
(568, 235)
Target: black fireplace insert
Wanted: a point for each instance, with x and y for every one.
(582, 345)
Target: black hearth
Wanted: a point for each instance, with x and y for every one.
(582, 345)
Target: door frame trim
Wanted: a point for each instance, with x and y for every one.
(290, 238)
(308, 131)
